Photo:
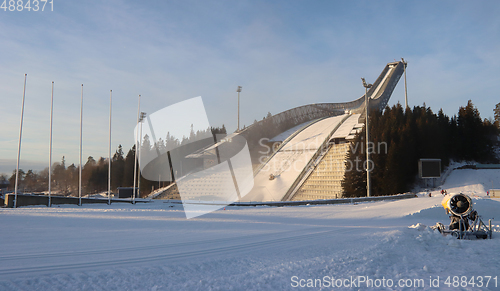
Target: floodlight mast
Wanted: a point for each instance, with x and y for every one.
(368, 182)
(406, 91)
(141, 119)
(238, 90)
(134, 191)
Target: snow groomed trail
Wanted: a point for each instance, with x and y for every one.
(153, 247)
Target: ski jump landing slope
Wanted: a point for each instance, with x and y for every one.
(276, 177)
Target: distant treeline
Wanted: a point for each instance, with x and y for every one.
(414, 134)
(65, 179)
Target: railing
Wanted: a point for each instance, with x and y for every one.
(159, 191)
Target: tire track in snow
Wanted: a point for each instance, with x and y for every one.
(233, 246)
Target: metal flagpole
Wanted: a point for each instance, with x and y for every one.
(109, 153)
(19, 147)
(238, 90)
(134, 191)
(50, 143)
(81, 164)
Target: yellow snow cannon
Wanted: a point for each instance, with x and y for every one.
(457, 204)
(465, 222)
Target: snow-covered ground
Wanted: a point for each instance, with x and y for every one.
(151, 246)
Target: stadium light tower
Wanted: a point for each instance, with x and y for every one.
(238, 90)
(138, 156)
(406, 91)
(134, 192)
(368, 182)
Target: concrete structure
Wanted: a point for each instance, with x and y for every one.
(320, 177)
(494, 193)
(304, 147)
(275, 178)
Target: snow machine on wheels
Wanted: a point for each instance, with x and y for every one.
(465, 222)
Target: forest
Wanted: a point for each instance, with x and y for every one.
(65, 179)
(412, 134)
(408, 135)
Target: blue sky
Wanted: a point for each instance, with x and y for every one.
(283, 53)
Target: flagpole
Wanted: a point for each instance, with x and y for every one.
(19, 146)
(109, 153)
(81, 164)
(50, 143)
(136, 146)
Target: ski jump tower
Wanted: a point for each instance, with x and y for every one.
(309, 144)
(299, 154)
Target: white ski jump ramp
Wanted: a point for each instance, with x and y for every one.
(314, 125)
(290, 160)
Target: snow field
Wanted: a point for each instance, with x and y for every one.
(152, 246)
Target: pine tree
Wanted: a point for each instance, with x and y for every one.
(72, 177)
(128, 173)
(59, 176)
(354, 182)
(3, 179)
(20, 180)
(117, 168)
(30, 180)
(474, 144)
(496, 111)
(87, 170)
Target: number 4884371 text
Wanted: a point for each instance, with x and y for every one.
(29, 5)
